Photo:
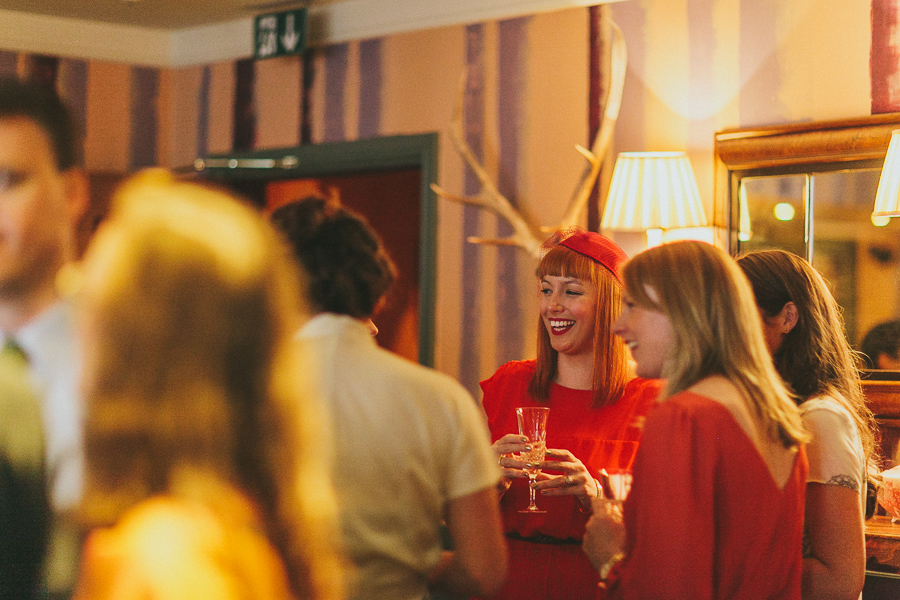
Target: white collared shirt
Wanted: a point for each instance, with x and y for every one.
(49, 341)
(408, 440)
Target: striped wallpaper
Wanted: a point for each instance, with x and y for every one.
(695, 66)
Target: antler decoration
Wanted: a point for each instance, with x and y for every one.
(524, 234)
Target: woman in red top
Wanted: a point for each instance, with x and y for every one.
(596, 415)
(716, 508)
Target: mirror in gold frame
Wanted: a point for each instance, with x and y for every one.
(809, 189)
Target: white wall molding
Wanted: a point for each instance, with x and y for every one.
(360, 19)
(75, 38)
(340, 22)
(211, 43)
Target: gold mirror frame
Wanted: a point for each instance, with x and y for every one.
(815, 147)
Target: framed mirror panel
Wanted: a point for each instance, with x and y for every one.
(810, 189)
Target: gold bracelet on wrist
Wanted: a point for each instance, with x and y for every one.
(590, 509)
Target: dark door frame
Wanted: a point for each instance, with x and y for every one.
(340, 158)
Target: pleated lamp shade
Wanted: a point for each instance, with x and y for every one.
(887, 198)
(653, 191)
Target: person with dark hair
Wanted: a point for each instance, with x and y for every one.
(880, 347)
(349, 271)
(43, 192)
(805, 334)
(410, 445)
(597, 409)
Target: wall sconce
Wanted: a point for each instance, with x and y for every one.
(652, 192)
(887, 198)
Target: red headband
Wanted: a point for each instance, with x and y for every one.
(598, 248)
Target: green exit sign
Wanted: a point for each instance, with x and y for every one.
(280, 34)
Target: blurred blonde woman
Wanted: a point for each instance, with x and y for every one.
(203, 479)
(716, 506)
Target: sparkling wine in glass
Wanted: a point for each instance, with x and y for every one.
(533, 426)
(620, 484)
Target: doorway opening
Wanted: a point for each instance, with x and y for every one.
(387, 180)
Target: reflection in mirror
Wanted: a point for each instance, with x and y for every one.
(773, 213)
(859, 259)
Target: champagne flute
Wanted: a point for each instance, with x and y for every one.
(533, 426)
(619, 484)
(616, 486)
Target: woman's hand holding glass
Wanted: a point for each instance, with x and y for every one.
(507, 449)
(604, 535)
(573, 480)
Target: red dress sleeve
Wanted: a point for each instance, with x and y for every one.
(502, 392)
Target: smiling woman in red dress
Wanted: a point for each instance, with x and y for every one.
(597, 410)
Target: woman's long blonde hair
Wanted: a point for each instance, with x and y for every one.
(191, 302)
(717, 329)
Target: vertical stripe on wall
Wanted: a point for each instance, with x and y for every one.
(513, 37)
(370, 83)
(596, 93)
(469, 352)
(884, 57)
(72, 82)
(630, 134)
(336, 59)
(308, 80)
(144, 118)
(761, 76)
(244, 107)
(40, 68)
(203, 112)
(702, 88)
(8, 62)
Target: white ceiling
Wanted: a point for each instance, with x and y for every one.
(159, 14)
(175, 33)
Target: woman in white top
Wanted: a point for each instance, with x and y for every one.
(805, 334)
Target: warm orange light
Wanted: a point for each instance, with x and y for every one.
(887, 198)
(745, 230)
(784, 211)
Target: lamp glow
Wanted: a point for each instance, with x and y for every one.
(887, 198)
(745, 231)
(784, 211)
(653, 192)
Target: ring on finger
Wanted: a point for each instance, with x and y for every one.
(568, 480)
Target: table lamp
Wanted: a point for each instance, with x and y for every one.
(653, 192)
